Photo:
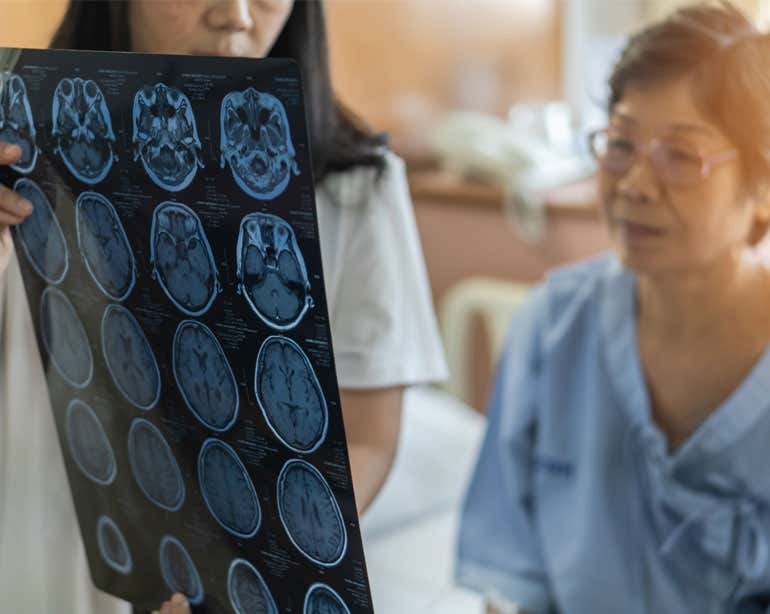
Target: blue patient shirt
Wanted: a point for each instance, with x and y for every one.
(576, 505)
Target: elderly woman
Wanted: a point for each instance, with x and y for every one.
(624, 467)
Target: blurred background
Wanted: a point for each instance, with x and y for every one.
(489, 103)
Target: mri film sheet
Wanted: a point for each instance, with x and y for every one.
(104, 245)
(129, 357)
(82, 128)
(17, 125)
(173, 271)
(248, 591)
(310, 513)
(271, 271)
(323, 599)
(227, 489)
(182, 259)
(204, 376)
(165, 136)
(40, 234)
(89, 445)
(256, 143)
(179, 571)
(112, 546)
(289, 395)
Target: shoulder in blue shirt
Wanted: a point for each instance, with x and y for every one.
(575, 505)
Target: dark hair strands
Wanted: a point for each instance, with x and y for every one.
(339, 140)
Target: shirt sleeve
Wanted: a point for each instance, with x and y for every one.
(384, 326)
(498, 546)
(6, 249)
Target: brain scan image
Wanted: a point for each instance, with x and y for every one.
(204, 376)
(310, 513)
(104, 245)
(82, 128)
(88, 444)
(227, 489)
(41, 236)
(179, 571)
(271, 271)
(154, 467)
(247, 589)
(129, 357)
(181, 258)
(165, 136)
(290, 396)
(16, 123)
(64, 338)
(323, 599)
(256, 143)
(113, 546)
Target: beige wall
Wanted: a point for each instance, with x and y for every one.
(404, 61)
(29, 23)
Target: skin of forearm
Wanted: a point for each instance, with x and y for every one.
(372, 424)
(370, 470)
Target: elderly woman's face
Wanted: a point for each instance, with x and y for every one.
(662, 226)
(244, 28)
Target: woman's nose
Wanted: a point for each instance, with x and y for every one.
(232, 15)
(640, 182)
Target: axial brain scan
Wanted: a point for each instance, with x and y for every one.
(165, 136)
(104, 245)
(227, 489)
(113, 546)
(88, 444)
(256, 143)
(41, 235)
(290, 396)
(129, 357)
(16, 123)
(323, 599)
(204, 376)
(64, 338)
(82, 128)
(179, 571)
(181, 258)
(154, 467)
(271, 271)
(310, 513)
(247, 589)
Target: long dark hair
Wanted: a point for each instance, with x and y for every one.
(339, 140)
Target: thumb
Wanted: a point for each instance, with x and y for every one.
(179, 604)
(9, 154)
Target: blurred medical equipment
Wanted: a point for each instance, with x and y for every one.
(534, 150)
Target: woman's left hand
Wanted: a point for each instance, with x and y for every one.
(177, 605)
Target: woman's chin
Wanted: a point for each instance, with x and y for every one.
(640, 260)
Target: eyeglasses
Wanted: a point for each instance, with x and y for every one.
(674, 163)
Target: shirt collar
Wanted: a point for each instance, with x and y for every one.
(729, 429)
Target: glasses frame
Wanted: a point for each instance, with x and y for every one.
(707, 161)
